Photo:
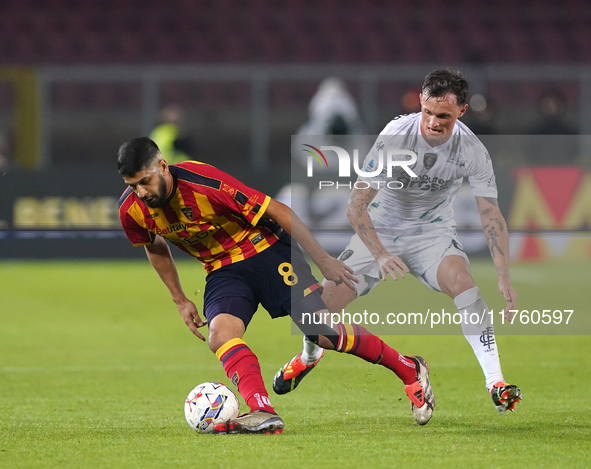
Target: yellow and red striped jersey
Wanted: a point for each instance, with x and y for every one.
(208, 214)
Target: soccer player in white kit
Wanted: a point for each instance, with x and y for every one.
(409, 226)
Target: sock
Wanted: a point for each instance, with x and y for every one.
(311, 353)
(481, 336)
(242, 367)
(358, 341)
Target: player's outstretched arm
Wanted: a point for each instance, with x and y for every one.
(161, 259)
(497, 237)
(331, 268)
(361, 222)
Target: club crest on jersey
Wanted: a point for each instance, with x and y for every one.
(188, 212)
(429, 160)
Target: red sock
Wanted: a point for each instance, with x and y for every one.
(357, 340)
(242, 367)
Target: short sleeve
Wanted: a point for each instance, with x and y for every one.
(391, 138)
(372, 162)
(481, 176)
(130, 215)
(237, 196)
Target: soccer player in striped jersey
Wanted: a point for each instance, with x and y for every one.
(243, 238)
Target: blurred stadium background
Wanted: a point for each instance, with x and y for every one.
(94, 362)
(77, 78)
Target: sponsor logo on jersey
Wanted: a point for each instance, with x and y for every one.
(424, 183)
(172, 228)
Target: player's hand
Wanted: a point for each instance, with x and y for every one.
(390, 264)
(338, 272)
(191, 317)
(506, 288)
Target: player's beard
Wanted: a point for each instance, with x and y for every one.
(160, 200)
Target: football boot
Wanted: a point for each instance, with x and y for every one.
(257, 421)
(292, 373)
(420, 392)
(505, 396)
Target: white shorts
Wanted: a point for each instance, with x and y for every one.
(421, 253)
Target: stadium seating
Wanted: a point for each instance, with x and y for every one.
(34, 32)
(265, 31)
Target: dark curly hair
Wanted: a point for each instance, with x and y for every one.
(439, 83)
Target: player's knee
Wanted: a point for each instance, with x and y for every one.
(330, 301)
(462, 281)
(223, 328)
(326, 343)
(215, 340)
(336, 297)
(213, 343)
(465, 279)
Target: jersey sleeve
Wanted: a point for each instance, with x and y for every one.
(481, 176)
(372, 163)
(391, 138)
(236, 196)
(131, 216)
(251, 203)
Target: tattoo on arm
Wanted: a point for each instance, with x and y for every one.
(501, 227)
(492, 236)
(494, 226)
(357, 211)
(359, 201)
(493, 231)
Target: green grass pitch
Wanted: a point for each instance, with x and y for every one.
(95, 364)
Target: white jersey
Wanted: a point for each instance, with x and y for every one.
(422, 204)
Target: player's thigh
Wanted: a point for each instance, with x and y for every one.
(365, 268)
(282, 278)
(425, 254)
(453, 275)
(229, 303)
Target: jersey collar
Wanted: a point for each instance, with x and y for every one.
(174, 184)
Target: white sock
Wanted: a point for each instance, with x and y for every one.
(481, 335)
(311, 353)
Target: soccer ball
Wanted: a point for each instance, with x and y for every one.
(208, 404)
